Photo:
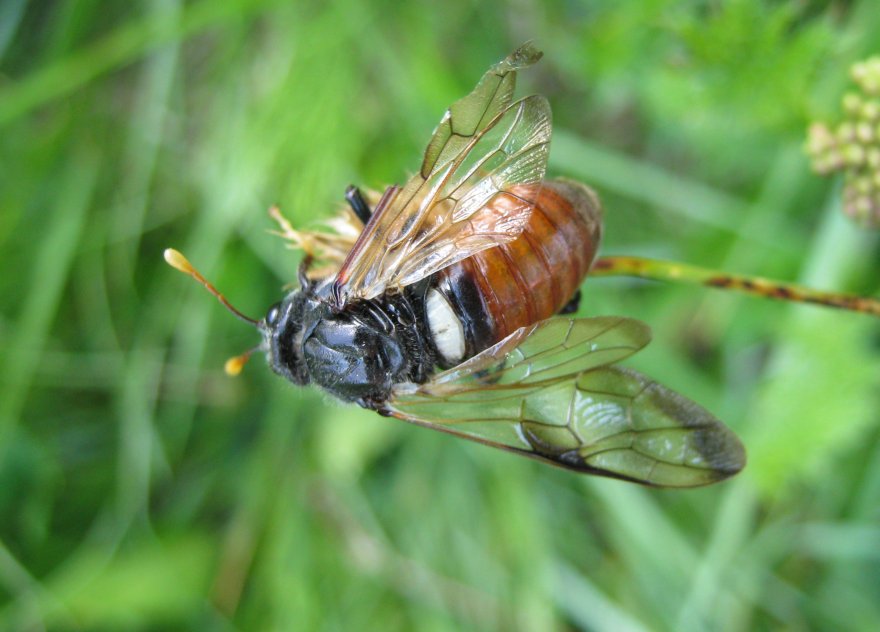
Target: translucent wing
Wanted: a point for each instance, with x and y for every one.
(478, 182)
(548, 392)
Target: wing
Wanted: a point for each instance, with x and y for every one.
(478, 182)
(549, 392)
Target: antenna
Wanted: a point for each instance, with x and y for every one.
(179, 262)
(234, 365)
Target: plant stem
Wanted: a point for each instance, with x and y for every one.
(753, 285)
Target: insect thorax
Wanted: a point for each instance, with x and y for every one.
(357, 353)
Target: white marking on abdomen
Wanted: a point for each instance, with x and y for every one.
(446, 328)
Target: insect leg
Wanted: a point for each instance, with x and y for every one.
(572, 306)
(753, 285)
(302, 272)
(357, 203)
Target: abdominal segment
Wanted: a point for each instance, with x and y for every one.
(519, 283)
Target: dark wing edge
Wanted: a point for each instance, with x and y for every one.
(604, 420)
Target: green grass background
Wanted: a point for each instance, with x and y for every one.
(142, 489)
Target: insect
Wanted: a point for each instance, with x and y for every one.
(444, 303)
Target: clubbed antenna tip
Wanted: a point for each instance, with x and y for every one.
(177, 261)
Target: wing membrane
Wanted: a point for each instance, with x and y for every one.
(479, 179)
(468, 115)
(549, 392)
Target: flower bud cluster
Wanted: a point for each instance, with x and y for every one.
(853, 147)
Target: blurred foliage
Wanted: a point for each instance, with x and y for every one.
(142, 489)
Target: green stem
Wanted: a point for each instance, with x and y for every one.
(752, 285)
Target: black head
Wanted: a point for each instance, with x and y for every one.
(353, 354)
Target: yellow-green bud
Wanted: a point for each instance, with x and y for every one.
(852, 103)
(865, 132)
(867, 75)
(870, 111)
(819, 139)
(846, 132)
(862, 185)
(854, 155)
(852, 147)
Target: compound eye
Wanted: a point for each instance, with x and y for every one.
(273, 315)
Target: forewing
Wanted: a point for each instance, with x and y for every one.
(479, 180)
(549, 392)
(471, 113)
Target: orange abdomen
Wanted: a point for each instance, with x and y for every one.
(531, 278)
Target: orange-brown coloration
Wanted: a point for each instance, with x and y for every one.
(534, 276)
